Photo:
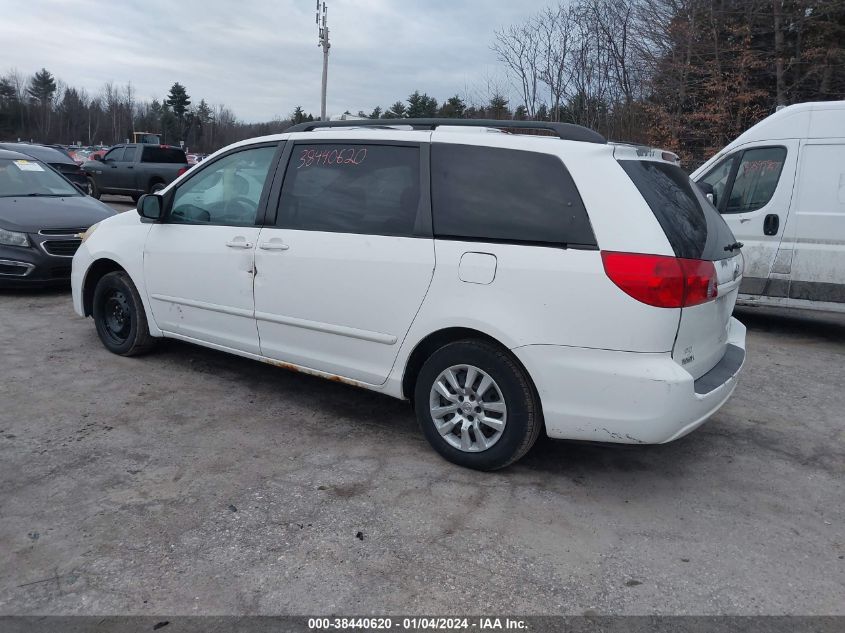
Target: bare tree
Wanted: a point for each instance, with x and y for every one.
(129, 94)
(21, 84)
(555, 27)
(519, 48)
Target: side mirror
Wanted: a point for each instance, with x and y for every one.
(150, 207)
(707, 190)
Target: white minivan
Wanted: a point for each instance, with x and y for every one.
(504, 283)
(780, 186)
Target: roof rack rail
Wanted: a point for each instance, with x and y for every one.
(564, 131)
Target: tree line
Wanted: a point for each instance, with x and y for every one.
(685, 75)
(44, 109)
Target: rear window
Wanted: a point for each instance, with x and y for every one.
(154, 154)
(505, 195)
(692, 225)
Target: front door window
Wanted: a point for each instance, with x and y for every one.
(756, 179)
(225, 193)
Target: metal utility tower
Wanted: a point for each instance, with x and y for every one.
(322, 24)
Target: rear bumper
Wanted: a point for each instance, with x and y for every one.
(628, 397)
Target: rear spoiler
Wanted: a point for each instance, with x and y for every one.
(630, 151)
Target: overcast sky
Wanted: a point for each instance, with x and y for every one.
(260, 57)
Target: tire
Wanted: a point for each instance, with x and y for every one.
(156, 187)
(94, 189)
(119, 316)
(505, 412)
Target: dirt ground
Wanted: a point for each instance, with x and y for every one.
(188, 481)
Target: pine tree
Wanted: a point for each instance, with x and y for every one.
(498, 107)
(453, 108)
(396, 111)
(8, 106)
(41, 89)
(421, 106)
(178, 100)
(542, 112)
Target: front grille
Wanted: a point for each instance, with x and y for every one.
(61, 231)
(62, 248)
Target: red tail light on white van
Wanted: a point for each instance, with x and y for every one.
(661, 281)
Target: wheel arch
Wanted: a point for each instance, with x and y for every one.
(155, 180)
(434, 341)
(96, 271)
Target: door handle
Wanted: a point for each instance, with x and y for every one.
(273, 245)
(239, 243)
(771, 224)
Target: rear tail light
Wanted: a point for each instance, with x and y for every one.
(181, 171)
(661, 281)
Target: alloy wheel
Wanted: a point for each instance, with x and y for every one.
(467, 408)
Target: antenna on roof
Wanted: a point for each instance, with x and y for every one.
(323, 29)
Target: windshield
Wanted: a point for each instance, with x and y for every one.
(31, 178)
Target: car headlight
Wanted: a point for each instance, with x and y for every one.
(12, 238)
(89, 232)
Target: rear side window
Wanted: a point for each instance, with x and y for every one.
(349, 188)
(692, 225)
(495, 194)
(156, 154)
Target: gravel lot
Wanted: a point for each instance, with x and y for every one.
(188, 481)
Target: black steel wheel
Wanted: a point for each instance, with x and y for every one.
(119, 316)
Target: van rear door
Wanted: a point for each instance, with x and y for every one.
(695, 231)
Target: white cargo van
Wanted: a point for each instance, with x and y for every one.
(781, 188)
